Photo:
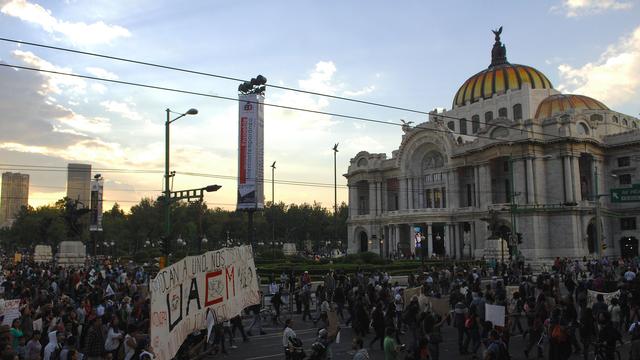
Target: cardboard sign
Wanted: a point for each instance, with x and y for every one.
(592, 297)
(332, 327)
(222, 282)
(510, 290)
(494, 314)
(440, 306)
(409, 293)
(10, 311)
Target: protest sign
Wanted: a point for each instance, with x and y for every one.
(222, 282)
(10, 311)
(511, 290)
(440, 306)
(592, 295)
(410, 292)
(494, 314)
(332, 327)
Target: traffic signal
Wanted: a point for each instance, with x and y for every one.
(519, 235)
(604, 246)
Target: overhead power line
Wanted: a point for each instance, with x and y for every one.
(318, 112)
(174, 68)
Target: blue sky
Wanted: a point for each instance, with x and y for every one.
(413, 54)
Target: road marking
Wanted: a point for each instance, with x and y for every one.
(264, 356)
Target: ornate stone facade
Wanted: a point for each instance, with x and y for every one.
(512, 144)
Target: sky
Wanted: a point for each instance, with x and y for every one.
(412, 54)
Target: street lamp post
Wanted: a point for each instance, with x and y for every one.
(167, 190)
(273, 212)
(335, 193)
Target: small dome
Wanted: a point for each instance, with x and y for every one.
(496, 80)
(559, 103)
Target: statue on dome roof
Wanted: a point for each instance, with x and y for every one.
(499, 51)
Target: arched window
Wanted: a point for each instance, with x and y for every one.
(634, 125)
(624, 122)
(363, 162)
(488, 116)
(475, 123)
(463, 126)
(596, 117)
(583, 129)
(451, 125)
(517, 112)
(502, 112)
(615, 119)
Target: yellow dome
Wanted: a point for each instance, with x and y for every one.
(559, 103)
(496, 80)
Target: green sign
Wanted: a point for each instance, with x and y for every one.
(631, 194)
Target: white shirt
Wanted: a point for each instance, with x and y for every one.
(288, 334)
(629, 275)
(273, 288)
(129, 351)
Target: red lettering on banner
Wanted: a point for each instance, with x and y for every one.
(211, 301)
(230, 275)
(243, 149)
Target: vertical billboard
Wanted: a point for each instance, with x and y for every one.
(97, 187)
(251, 152)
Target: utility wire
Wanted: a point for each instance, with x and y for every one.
(318, 112)
(145, 63)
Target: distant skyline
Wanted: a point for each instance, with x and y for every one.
(409, 54)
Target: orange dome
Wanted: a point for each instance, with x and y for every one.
(559, 103)
(496, 80)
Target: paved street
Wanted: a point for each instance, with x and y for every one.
(269, 346)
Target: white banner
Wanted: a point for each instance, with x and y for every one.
(221, 282)
(494, 314)
(251, 152)
(592, 297)
(97, 187)
(9, 311)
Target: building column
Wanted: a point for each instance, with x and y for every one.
(531, 192)
(402, 195)
(447, 240)
(429, 237)
(568, 189)
(420, 193)
(379, 197)
(384, 197)
(575, 177)
(476, 184)
(372, 198)
(410, 192)
(484, 188)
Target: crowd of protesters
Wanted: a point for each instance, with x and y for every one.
(97, 311)
(552, 309)
(101, 311)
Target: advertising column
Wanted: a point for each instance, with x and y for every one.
(251, 152)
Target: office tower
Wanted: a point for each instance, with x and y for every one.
(79, 183)
(15, 194)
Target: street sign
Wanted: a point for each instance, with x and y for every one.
(631, 194)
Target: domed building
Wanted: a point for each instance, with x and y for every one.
(513, 160)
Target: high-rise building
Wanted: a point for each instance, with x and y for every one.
(79, 183)
(15, 194)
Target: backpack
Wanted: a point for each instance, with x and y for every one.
(468, 323)
(503, 354)
(559, 334)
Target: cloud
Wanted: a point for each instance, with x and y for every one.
(121, 109)
(613, 78)
(77, 32)
(57, 83)
(101, 73)
(364, 91)
(574, 8)
(85, 124)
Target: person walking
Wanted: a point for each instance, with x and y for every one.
(287, 336)
(377, 321)
(257, 319)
